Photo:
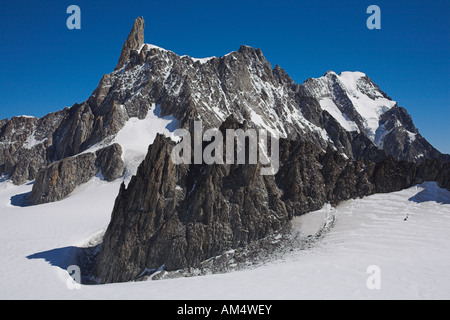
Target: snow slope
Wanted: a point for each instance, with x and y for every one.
(137, 135)
(412, 254)
(370, 109)
(366, 99)
(329, 105)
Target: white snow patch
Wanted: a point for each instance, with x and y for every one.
(411, 136)
(151, 46)
(136, 136)
(25, 116)
(329, 105)
(369, 109)
(350, 79)
(31, 142)
(201, 60)
(380, 134)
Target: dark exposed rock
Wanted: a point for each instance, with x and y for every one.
(134, 42)
(429, 170)
(443, 178)
(14, 158)
(300, 178)
(28, 144)
(181, 215)
(391, 175)
(110, 161)
(61, 178)
(404, 142)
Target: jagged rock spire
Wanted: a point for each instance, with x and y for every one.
(134, 41)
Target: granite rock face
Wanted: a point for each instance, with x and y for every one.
(134, 42)
(180, 215)
(405, 142)
(58, 180)
(15, 155)
(109, 160)
(61, 178)
(29, 144)
(443, 178)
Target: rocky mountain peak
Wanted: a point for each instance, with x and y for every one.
(134, 41)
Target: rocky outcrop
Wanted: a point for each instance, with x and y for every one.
(62, 177)
(443, 178)
(29, 144)
(16, 158)
(109, 160)
(134, 42)
(402, 140)
(178, 216)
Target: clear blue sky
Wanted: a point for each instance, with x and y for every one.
(45, 67)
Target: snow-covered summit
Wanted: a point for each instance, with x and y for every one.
(359, 105)
(352, 98)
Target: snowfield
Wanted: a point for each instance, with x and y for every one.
(405, 234)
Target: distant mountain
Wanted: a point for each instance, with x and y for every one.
(360, 106)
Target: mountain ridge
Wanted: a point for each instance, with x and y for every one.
(242, 83)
